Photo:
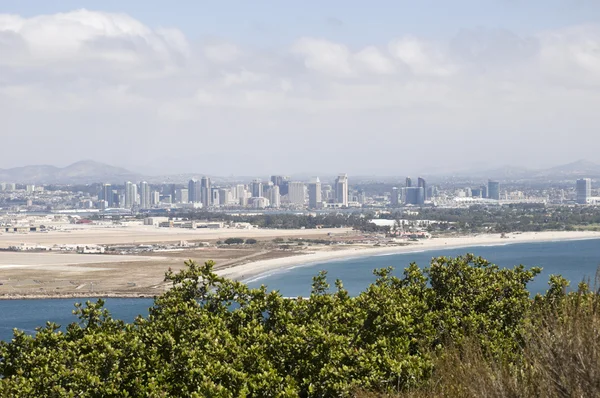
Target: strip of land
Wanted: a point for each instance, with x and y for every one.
(43, 275)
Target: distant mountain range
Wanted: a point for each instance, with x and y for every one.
(579, 169)
(83, 172)
(88, 171)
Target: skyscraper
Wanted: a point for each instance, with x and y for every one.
(107, 195)
(395, 200)
(296, 193)
(205, 192)
(314, 194)
(421, 184)
(274, 196)
(257, 188)
(282, 183)
(414, 196)
(194, 191)
(493, 191)
(408, 182)
(583, 190)
(182, 195)
(130, 195)
(144, 195)
(341, 190)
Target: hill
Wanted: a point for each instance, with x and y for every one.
(82, 172)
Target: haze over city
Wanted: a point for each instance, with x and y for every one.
(257, 88)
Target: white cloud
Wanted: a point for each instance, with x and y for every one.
(86, 76)
(421, 57)
(372, 60)
(324, 56)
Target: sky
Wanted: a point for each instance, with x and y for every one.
(271, 87)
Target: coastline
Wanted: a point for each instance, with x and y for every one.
(254, 269)
(257, 269)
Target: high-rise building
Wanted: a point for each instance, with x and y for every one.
(282, 183)
(194, 191)
(274, 196)
(296, 193)
(130, 195)
(493, 190)
(422, 184)
(240, 194)
(408, 182)
(341, 190)
(107, 195)
(223, 196)
(395, 200)
(484, 191)
(257, 188)
(145, 202)
(414, 196)
(583, 190)
(314, 194)
(205, 192)
(182, 195)
(155, 198)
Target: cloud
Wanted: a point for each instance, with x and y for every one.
(88, 78)
(324, 56)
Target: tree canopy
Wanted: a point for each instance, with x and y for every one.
(212, 337)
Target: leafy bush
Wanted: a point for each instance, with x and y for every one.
(251, 241)
(209, 336)
(234, 241)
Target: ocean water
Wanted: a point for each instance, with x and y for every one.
(575, 260)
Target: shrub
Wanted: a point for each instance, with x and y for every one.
(442, 329)
(234, 241)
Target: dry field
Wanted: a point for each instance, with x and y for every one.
(36, 274)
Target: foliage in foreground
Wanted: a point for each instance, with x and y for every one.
(208, 336)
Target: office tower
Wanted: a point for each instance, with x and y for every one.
(155, 198)
(194, 191)
(421, 184)
(144, 195)
(223, 196)
(484, 191)
(314, 194)
(414, 196)
(240, 193)
(130, 195)
(107, 195)
(30, 188)
(274, 196)
(468, 192)
(296, 193)
(341, 190)
(476, 192)
(182, 195)
(493, 190)
(327, 193)
(408, 182)
(395, 201)
(205, 192)
(256, 188)
(583, 190)
(215, 196)
(282, 183)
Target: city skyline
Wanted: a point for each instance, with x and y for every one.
(313, 78)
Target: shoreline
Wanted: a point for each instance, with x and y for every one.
(248, 272)
(253, 271)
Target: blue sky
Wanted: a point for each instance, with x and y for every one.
(269, 87)
(269, 22)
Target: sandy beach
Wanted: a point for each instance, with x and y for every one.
(247, 271)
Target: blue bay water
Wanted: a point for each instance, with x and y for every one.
(575, 260)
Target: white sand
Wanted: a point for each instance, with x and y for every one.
(246, 271)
